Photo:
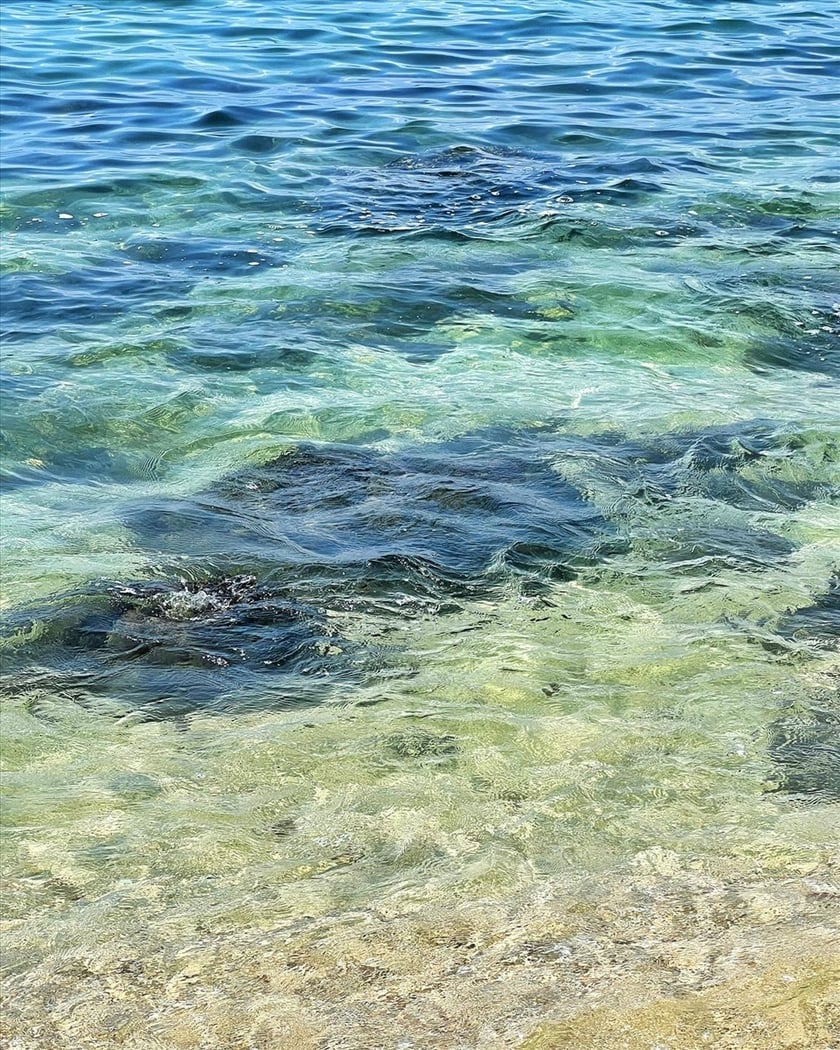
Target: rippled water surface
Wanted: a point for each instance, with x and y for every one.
(421, 580)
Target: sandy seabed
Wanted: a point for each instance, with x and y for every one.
(656, 958)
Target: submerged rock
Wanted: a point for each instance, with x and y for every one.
(165, 649)
(330, 527)
(811, 344)
(452, 193)
(701, 548)
(687, 500)
(403, 532)
(268, 551)
(421, 743)
(805, 747)
(818, 624)
(754, 465)
(805, 740)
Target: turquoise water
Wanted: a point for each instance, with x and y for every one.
(421, 466)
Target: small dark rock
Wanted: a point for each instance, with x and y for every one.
(135, 786)
(420, 743)
(282, 828)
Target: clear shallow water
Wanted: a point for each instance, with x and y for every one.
(421, 466)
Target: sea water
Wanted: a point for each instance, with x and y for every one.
(421, 460)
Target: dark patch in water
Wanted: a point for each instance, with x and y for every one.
(206, 255)
(805, 354)
(817, 624)
(683, 498)
(269, 550)
(421, 529)
(743, 465)
(454, 192)
(805, 741)
(90, 296)
(217, 354)
(167, 649)
(135, 786)
(706, 549)
(421, 743)
(283, 827)
(805, 745)
(809, 345)
(409, 531)
(463, 193)
(83, 466)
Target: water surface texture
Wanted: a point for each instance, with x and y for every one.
(421, 455)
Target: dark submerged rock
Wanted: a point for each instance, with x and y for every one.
(166, 649)
(331, 527)
(743, 465)
(805, 740)
(805, 354)
(701, 548)
(269, 550)
(811, 344)
(817, 624)
(409, 531)
(451, 193)
(33, 302)
(805, 747)
(84, 466)
(214, 353)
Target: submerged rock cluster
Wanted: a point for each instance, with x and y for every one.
(261, 567)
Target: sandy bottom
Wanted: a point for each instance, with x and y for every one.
(652, 958)
(561, 832)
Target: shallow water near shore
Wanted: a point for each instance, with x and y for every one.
(421, 586)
